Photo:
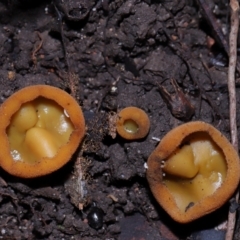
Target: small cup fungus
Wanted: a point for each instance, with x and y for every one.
(133, 123)
(40, 128)
(193, 171)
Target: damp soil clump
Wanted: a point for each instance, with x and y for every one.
(159, 56)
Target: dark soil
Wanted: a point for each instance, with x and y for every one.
(110, 55)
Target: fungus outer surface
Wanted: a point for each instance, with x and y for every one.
(133, 123)
(41, 129)
(193, 171)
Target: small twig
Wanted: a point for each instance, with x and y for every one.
(216, 29)
(232, 98)
(71, 76)
(186, 57)
(36, 49)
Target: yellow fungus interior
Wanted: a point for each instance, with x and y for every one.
(38, 129)
(195, 170)
(130, 126)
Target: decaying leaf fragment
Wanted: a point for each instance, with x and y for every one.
(177, 102)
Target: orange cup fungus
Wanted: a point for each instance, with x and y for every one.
(40, 128)
(133, 123)
(193, 171)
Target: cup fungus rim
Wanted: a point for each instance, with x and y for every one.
(139, 115)
(45, 165)
(208, 204)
